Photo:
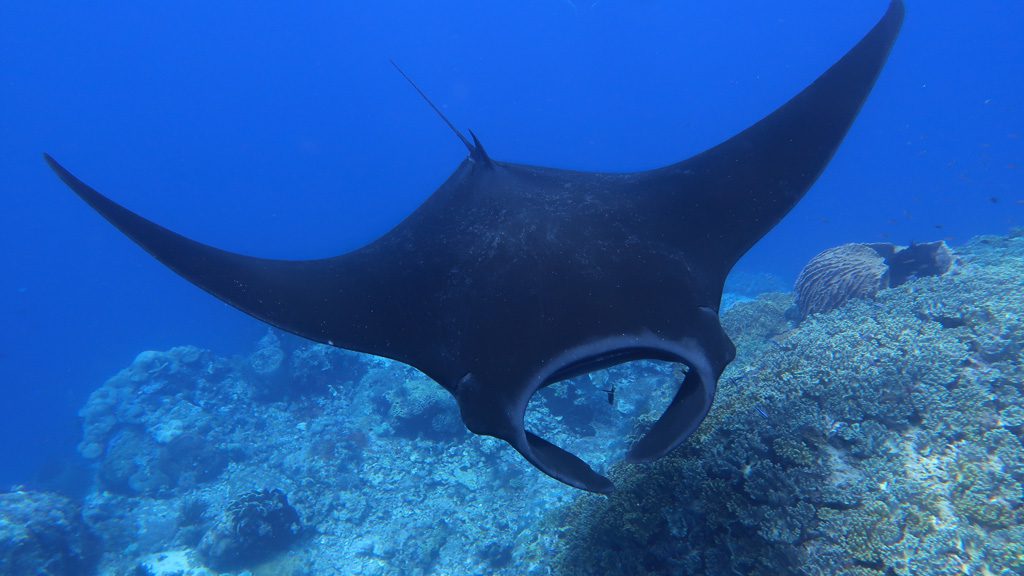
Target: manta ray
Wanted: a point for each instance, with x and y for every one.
(511, 277)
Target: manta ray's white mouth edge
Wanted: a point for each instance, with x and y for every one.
(567, 467)
(612, 351)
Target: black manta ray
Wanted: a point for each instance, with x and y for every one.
(511, 277)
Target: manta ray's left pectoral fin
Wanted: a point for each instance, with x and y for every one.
(341, 301)
(741, 188)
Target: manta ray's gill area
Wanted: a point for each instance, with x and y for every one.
(882, 437)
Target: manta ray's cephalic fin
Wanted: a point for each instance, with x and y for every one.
(476, 150)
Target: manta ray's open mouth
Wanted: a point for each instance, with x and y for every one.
(704, 360)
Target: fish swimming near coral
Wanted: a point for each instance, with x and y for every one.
(610, 392)
(762, 412)
(511, 277)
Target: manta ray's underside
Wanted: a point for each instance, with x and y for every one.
(512, 277)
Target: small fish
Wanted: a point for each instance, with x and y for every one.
(993, 199)
(761, 412)
(611, 394)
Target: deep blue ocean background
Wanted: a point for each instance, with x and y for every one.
(282, 130)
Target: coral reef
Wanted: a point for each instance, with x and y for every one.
(421, 408)
(147, 427)
(43, 534)
(882, 438)
(371, 454)
(916, 260)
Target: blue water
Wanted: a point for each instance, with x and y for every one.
(284, 132)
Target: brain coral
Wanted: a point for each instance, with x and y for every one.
(254, 526)
(850, 271)
(839, 274)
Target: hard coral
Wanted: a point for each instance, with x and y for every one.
(315, 367)
(254, 526)
(43, 534)
(420, 408)
(840, 274)
(146, 427)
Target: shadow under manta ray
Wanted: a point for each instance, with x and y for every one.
(511, 277)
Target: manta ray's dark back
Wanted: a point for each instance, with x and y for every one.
(512, 277)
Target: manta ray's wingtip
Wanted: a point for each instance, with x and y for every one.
(67, 177)
(898, 9)
(83, 190)
(894, 14)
